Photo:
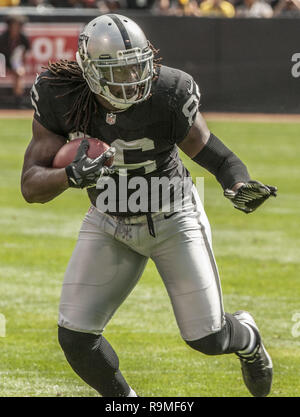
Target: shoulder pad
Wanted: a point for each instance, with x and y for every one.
(42, 95)
(182, 95)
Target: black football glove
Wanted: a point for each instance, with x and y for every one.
(84, 171)
(250, 195)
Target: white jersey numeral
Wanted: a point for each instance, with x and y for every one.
(138, 145)
(190, 108)
(35, 97)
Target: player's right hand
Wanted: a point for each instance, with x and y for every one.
(84, 171)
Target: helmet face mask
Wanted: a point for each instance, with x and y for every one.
(117, 63)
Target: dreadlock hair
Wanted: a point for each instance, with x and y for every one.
(68, 73)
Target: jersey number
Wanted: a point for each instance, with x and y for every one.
(35, 97)
(128, 152)
(190, 108)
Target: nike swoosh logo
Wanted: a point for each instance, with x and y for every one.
(88, 168)
(169, 215)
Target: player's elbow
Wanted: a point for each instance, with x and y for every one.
(26, 188)
(27, 194)
(29, 188)
(31, 197)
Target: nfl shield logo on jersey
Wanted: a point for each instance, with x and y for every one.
(111, 118)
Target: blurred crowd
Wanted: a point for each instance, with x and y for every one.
(229, 8)
(14, 44)
(200, 8)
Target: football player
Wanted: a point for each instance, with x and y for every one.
(118, 92)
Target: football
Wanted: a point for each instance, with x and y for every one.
(67, 152)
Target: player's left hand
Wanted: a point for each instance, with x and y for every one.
(250, 195)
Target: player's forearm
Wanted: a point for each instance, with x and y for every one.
(228, 169)
(40, 184)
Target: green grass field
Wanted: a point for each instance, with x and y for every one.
(258, 258)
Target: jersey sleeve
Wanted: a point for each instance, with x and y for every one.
(185, 106)
(41, 99)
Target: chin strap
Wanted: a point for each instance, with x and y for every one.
(111, 101)
(79, 62)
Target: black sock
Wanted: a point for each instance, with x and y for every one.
(239, 334)
(233, 337)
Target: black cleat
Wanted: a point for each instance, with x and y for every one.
(257, 367)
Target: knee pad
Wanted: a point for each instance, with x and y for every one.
(231, 338)
(95, 361)
(78, 345)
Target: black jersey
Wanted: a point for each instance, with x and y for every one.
(145, 135)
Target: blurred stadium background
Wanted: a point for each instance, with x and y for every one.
(246, 64)
(241, 64)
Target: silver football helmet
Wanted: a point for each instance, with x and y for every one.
(116, 60)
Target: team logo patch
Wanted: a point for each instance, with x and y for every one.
(111, 118)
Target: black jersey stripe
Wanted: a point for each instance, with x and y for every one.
(123, 31)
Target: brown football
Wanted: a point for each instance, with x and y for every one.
(67, 152)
